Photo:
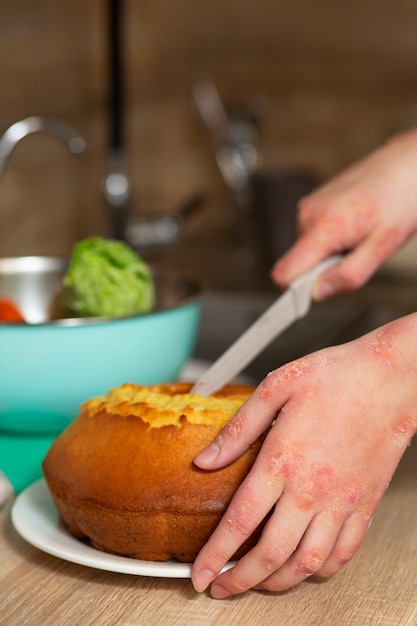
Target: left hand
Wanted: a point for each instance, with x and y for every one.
(342, 418)
(368, 212)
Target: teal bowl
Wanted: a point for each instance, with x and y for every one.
(48, 368)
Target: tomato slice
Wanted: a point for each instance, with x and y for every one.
(9, 311)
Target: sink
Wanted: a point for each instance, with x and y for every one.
(226, 315)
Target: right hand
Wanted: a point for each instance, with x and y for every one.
(368, 211)
(337, 423)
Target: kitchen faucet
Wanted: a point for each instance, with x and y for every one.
(17, 131)
(234, 137)
(144, 233)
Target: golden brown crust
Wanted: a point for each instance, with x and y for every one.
(131, 487)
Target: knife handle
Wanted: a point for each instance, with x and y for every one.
(301, 286)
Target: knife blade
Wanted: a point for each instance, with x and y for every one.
(292, 305)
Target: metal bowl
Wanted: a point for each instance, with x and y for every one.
(49, 367)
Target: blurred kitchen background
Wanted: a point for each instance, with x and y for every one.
(225, 113)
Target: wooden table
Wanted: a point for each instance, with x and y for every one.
(378, 587)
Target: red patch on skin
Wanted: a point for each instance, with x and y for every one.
(286, 469)
(304, 501)
(234, 428)
(404, 426)
(370, 506)
(354, 495)
(310, 562)
(324, 482)
(277, 377)
(285, 464)
(367, 512)
(240, 521)
(354, 500)
(279, 465)
(382, 342)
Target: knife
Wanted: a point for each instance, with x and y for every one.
(292, 305)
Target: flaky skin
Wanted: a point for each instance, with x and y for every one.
(131, 488)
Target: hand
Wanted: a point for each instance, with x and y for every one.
(369, 210)
(341, 420)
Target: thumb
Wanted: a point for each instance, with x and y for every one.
(249, 422)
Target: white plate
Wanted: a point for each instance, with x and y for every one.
(36, 519)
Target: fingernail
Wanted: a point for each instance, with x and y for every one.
(323, 290)
(218, 592)
(208, 455)
(202, 579)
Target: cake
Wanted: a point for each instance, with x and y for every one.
(122, 474)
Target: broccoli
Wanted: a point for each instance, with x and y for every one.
(106, 278)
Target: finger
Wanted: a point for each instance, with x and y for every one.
(248, 423)
(309, 249)
(251, 503)
(348, 541)
(301, 257)
(279, 539)
(357, 267)
(248, 509)
(309, 557)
